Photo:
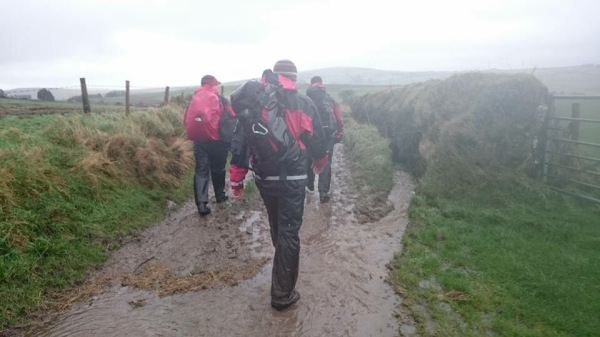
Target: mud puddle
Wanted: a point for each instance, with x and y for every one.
(342, 275)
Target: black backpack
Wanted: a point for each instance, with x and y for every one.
(267, 140)
(227, 122)
(324, 104)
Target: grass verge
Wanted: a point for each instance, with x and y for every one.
(508, 258)
(371, 167)
(71, 187)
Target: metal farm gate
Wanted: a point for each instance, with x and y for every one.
(571, 162)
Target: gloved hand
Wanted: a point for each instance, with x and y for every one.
(319, 165)
(338, 136)
(238, 195)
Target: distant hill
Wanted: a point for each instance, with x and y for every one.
(366, 76)
(582, 80)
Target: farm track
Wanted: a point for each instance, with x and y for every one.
(192, 276)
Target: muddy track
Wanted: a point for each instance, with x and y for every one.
(192, 276)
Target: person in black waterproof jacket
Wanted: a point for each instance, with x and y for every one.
(208, 123)
(333, 128)
(281, 177)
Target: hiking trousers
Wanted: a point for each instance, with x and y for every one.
(210, 157)
(284, 201)
(324, 176)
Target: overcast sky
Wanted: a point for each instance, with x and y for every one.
(156, 43)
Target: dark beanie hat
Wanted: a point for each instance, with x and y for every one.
(209, 79)
(286, 68)
(316, 79)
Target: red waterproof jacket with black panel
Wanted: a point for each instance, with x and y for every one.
(304, 124)
(203, 114)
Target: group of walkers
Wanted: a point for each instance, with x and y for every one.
(284, 137)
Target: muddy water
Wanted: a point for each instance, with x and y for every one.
(342, 273)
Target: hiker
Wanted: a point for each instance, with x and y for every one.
(278, 130)
(333, 128)
(209, 124)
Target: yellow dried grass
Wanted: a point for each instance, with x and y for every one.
(7, 197)
(161, 280)
(96, 167)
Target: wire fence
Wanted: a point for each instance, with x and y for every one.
(104, 97)
(77, 87)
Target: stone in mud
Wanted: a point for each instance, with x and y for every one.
(137, 303)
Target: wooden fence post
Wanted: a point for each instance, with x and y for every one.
(127, 101)
(222, 90)
(545, 144)
(84, 96)
(167, 95)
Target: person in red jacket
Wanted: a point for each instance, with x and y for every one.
(280, 178)
(333, 128)
(203, 122)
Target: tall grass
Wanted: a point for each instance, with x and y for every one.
(70, 185)
(371, 167)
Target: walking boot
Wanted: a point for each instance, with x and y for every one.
(203, 209)
(294, 297)
(324, 196)
(222, 198)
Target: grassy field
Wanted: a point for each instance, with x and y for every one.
(149, 97)
(71, 186)
(508, 259)
(338, 91)
(22, 107)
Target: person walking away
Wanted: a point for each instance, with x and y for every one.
(278, 130)
(208, 124)
(333, 128)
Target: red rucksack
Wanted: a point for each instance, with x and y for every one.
(203, 115)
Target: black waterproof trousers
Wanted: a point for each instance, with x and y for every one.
(284, 201)
(325, 176)
(210, 157)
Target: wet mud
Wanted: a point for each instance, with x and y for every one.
(192, 276)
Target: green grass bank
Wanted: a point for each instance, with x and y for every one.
(71, 186)
(488, 251)
(509, 258)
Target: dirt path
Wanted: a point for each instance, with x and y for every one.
(342, 275)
